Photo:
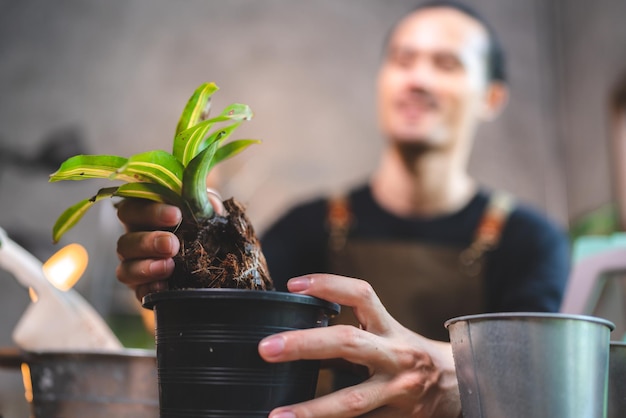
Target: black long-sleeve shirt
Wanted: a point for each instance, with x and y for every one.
(526, 272)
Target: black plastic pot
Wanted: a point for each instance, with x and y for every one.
(207, 350)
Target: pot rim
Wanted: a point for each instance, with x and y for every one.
(151, 299)
(123, 352)
(529, 316)
(12, 357)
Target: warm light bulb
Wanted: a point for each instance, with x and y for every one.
(66, 266)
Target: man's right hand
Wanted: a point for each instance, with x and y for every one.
(146, 250)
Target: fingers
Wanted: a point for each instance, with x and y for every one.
(144, 289)
(346, 291)
(145, 276)
(141, 214)
(146, 260)
(137, 272)
(155, 244)
(338, 341)
(349, 402)
(361, 346)
(216, 201)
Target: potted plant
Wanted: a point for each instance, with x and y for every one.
(221, 301)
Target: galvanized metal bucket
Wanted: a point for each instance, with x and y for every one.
(617, 380)
(91, 384)
(540, 365)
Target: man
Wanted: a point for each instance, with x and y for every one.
(435, 87)
(433, 244)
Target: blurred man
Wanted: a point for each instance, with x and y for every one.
(430, 240)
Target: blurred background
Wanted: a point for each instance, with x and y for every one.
(111, 77)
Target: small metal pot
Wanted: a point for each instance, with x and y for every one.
(89, 384)
(540, 365)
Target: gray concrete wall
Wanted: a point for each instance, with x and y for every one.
(119, 72)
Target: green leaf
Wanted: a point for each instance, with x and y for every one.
(194, 183)
(232, 148)
(186, 142)
(178, 178)
(197, 107)
(151, 191)
(158, 167)
(237, 112)
(81, 167)
(219, 135)
(70, 217)
(191, 142)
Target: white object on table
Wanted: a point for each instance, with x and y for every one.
(58, 320)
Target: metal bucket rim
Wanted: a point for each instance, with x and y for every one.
(13, 357)
(150, 299)
(529, 315)
(124, 352)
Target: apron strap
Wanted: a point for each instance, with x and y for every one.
(339, 220)
(486, 238)
(489, 231)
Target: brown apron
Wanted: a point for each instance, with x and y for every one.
(421, 285)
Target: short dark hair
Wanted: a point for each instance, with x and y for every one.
(496, 60)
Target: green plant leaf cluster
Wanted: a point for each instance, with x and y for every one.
(178, 178)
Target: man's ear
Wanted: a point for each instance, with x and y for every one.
(496, 98)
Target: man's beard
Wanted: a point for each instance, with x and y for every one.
(411, 151)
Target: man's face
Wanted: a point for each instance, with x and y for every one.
(433, 81)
